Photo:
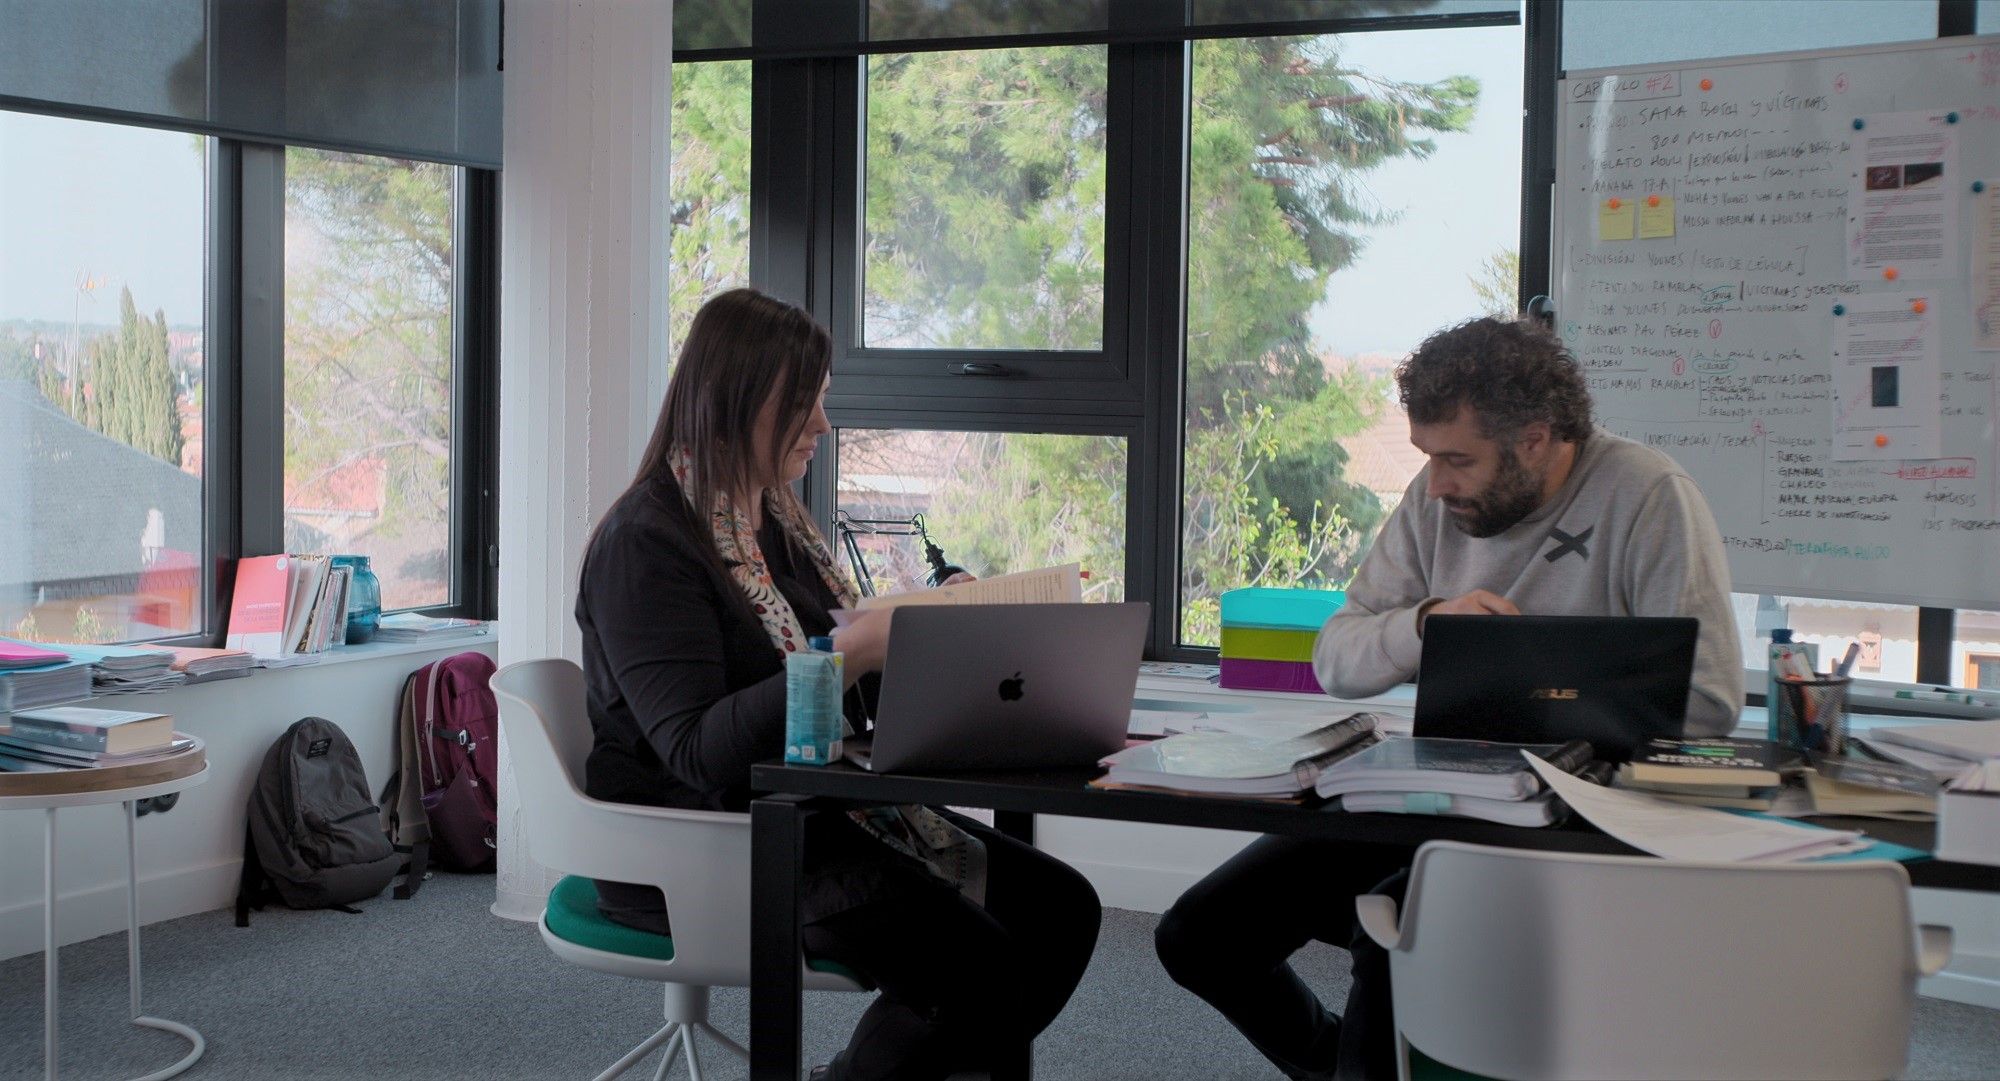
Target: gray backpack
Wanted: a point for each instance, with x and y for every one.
(314, 838)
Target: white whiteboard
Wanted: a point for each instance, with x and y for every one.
(1716, 344)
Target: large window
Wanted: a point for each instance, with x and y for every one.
(102, 371)
(984, 203)
(368, 367)
(710, 188)
(1348, 195)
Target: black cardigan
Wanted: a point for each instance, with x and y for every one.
(685, 690)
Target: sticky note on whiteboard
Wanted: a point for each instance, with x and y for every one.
(1614, 219)
(1656, 216)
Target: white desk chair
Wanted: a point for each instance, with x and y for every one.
(699, 859)
(1514, 964)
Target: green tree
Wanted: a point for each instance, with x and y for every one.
(710, 186)
(1498, 284)
(131, 396)
(985, 189)
(368, 360)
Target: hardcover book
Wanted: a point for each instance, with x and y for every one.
(1753, 763)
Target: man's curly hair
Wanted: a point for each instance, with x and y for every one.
(1511, 373)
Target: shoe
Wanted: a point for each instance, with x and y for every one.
(819, 1073)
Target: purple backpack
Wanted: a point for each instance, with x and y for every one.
(443, 801)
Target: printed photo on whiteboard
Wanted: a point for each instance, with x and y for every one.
(1902, 205)
(1885, 379)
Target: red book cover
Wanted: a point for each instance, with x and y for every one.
(257, 610)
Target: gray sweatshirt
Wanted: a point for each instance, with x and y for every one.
(1628, 534)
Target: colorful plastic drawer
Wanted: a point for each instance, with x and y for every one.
(1265, 644)
(1242, 675)
(1280, 609)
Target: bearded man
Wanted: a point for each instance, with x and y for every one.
(1523, 506)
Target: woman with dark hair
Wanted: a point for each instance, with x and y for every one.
(699, 580)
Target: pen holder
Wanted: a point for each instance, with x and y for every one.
(1811, 714)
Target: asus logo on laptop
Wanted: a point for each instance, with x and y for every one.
(1554, 694)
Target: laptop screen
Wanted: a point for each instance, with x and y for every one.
(1615, 681)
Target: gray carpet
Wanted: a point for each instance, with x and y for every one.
(439, 988)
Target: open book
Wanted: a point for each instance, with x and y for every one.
(1230, 763)
(1049, 585)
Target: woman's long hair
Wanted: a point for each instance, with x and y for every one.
(741, 346)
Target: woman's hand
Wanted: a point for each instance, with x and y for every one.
(864, 643)
(960, 578)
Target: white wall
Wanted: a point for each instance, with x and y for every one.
(190, 857)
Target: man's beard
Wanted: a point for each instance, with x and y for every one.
(1513, 495)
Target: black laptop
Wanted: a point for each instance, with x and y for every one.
(1616, 681)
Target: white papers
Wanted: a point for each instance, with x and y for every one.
(1161, 722)
(1885, 379)
(1986, 268)
(1679, 832)
(1970, 741)
(1902, 198)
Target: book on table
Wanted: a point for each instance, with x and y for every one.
(111, 731)
(1236, 764)
(1540, 809)
(1968, 827)
(1737, 796)
(12, 746)
(1713, 761)
(1858, 786)
(1452, 767)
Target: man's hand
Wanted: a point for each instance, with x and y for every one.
(1479, 602)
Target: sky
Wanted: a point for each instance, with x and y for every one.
(122, 204)
(1458, 207)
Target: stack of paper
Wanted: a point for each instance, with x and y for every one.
(1969, 816)
(1680, 832)
(411, 627)
(127, 669)
(15, 654)
(1462, 778)
(42, 684)
(202, 665)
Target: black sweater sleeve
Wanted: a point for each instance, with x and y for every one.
(662, 627)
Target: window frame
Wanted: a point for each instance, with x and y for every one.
(243, 399)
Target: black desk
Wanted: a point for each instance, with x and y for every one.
(776, 842)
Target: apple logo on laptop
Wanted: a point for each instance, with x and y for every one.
(1010, 689)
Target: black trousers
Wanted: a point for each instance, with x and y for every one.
(1230, 938)
(960, 982)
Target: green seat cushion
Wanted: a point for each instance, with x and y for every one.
(572, 916)
(1425, 1068)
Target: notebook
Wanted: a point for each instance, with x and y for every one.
(993, 686)
(1612, 681)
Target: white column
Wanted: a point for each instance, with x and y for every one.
(583, 320)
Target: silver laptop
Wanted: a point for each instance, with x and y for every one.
(995, 686)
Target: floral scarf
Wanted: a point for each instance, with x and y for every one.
(916, 831)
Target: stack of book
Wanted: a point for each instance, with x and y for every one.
(1858, 786)
(1969, 816)
(33, 675)
(1237, 764)
(73, 737)
(1463, 778)
(1268, 636)
(1747, 774)
(288, 609)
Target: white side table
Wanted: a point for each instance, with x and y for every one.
(47, 792)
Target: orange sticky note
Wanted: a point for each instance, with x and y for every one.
(1889, 273)
(1708, 84)
(1881, 440)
